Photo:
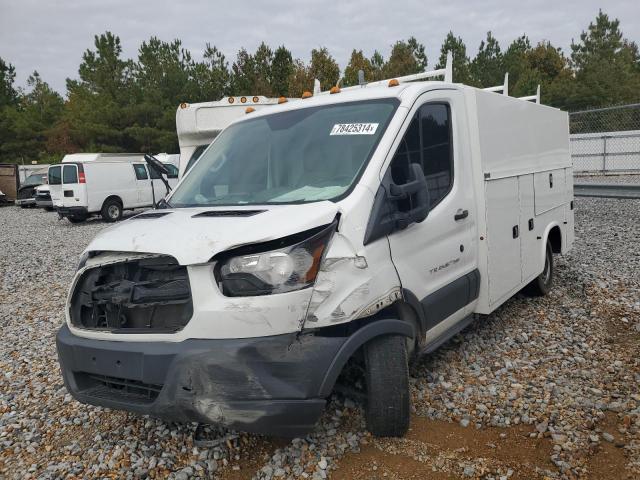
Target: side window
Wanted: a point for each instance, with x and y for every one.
(195, 156)
(153, 174)
(173, 171)
(55, 177)
(437, 154)
(141, 172)
(427, 141)
(69, 174)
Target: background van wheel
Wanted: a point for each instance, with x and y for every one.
(541, 285)
(387, 379)
(111, 210)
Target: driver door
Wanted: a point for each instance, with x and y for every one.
(435, 258)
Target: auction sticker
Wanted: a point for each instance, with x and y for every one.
(354, 129)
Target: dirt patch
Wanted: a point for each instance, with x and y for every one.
(442, 450)
(434, 450)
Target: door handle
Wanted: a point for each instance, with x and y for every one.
(460, 214)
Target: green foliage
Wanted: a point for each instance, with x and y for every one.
(324, 68)
(358, 62)
(8, 94)
(118, 104)
(282, 69)
(487, 68)
(461, 64)
(606, 65)
(406, 58)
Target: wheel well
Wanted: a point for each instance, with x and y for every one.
(112, 197)
(555, 239)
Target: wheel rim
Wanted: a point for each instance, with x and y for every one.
(113, 211)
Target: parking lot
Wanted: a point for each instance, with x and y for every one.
(542, 388)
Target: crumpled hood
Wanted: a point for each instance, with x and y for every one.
(191, 239)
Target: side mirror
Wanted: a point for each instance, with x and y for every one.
(396, 206)
(417, 194)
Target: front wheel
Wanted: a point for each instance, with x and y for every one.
(541, 285)
(387, 378)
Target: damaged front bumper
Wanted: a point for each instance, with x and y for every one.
(267, 385)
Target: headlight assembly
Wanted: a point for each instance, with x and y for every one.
(280, 266)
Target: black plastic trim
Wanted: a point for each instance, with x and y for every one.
(355, 341)
(444, 302)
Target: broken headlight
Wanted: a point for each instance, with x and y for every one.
(291, 263)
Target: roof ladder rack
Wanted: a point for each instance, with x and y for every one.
(534, 98)
(446, 72)
(504, 88)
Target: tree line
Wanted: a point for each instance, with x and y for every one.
(129, 105)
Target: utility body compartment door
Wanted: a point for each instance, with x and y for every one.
(550, 189)
(530, 227)
(503, 236)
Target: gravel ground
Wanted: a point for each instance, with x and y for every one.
(560, 365)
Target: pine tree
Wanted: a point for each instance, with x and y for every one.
(607, 66)
(281, 71)
(458, 49)
(487, 68)
(324, 68)
(357, 62)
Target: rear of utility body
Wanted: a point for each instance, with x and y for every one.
(267, 363)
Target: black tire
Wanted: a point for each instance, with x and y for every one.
(77, 219)
(542, 284)
(111, 210)
(387, 377)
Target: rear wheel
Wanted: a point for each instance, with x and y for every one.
(387, 379)
(542, 284)
(111, 210)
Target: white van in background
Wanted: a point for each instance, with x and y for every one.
(104, 184)
(198, 124)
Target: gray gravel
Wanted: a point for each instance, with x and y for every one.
(560, 364)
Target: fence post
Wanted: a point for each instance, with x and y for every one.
(604, 154)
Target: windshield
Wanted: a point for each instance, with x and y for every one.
(35, 179)
(304, 155)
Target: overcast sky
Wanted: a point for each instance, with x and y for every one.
(50, 36)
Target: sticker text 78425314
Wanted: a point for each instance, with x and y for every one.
(354, 129)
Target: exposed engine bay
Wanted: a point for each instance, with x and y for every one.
(135, 296)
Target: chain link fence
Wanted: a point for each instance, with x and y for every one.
(606, 140)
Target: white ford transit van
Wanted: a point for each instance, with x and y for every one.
(374, 223)
(86, 184)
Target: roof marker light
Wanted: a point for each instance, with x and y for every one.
(282, 100)
(394, 82)
(334, 89)
(307, 94)
(256, 99)
(243, 100)
(249, 110)
(231, 100)
(184, 105)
